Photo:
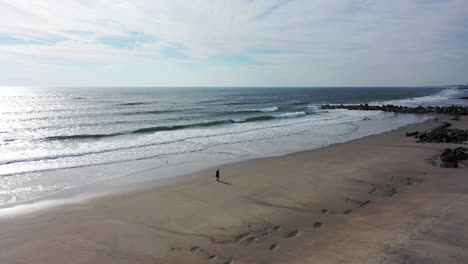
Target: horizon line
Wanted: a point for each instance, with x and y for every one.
(367, 86)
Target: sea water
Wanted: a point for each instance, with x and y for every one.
(81, 139)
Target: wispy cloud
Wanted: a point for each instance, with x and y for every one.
(271, 9)
(257, 42)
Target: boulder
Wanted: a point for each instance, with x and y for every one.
(449, 158)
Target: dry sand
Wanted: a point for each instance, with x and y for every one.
(372, 200)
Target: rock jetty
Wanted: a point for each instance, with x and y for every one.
(447, 110)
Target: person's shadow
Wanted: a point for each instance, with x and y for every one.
(220, 181)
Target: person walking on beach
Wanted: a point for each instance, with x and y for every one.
(217, 175)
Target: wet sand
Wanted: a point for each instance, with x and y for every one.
(372, 200)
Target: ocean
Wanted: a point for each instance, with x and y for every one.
(58, 140)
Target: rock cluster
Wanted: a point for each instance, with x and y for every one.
(448, 110)
(450, 158)
(440, 134)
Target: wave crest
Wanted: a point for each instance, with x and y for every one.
(154, 129)
(292, 114)
(261, 110)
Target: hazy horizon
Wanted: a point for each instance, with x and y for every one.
(228, 87)
(283, 43)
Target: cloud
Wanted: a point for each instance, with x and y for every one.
(271, 9)
(317, 42)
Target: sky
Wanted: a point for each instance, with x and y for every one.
(233, 43)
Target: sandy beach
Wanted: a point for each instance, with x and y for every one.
(377, 199)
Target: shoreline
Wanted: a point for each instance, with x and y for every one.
(131, 177)
(308, 203)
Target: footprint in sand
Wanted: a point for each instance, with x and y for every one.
(243, 236)
(365, 203)
(207, 255)
(293, 234)
(277, 228)
(411, 180)
(250, 240)
(392, 192)
(274, 247)
(195, 249)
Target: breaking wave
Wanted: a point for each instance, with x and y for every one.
(178, 127)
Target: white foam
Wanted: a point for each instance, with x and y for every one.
(292, 114)
(264, 110)
(269, 109)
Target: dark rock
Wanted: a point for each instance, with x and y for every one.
(446, 151)
(442, 134)
(449, 164)
(448, 110)
(412, 134)
(449, 158)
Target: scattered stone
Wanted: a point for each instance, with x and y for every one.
(318, 225)
(212, 257)
(277, 228)
(347, 212)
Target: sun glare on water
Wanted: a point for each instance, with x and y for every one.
(8, 97)
(12, 90)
